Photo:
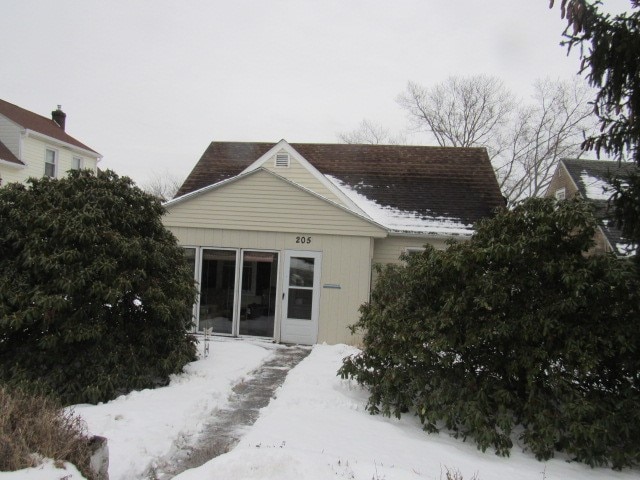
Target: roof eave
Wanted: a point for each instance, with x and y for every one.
(438, 234)
(33, 133)
(230, 180)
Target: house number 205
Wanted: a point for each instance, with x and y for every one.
(303, 239)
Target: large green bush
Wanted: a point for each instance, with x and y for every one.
(95, 294)
(515, 334)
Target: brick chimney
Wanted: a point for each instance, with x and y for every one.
(59, 117)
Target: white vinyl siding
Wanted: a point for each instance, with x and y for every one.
(261, 201)
(10, 135)
(298, 174)
(388, 250)
(33, 155)
(76, 163)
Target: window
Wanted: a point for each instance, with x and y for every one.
(282, 160)
(413, 250)
(561, 194)
(76, 163)
(50, 163)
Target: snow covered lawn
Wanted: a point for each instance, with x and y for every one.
(317, 428)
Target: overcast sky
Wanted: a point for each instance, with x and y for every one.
(149, 84)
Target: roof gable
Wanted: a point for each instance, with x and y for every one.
(246, 200)
(39, 124)
(591, 177)
(425, 183)
(306, 174)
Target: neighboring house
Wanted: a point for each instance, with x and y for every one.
(36, 146)
(590, 180)
(282, 237)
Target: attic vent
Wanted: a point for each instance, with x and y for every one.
(282, 160)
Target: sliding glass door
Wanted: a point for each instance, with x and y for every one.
(217, 290)
(237, 291)
(258, 297)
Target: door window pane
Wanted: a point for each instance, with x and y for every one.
(301, 272)
(258, 299)
(299, 305)
(217, 290)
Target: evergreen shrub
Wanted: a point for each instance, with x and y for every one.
(513, 335)
(95, 294)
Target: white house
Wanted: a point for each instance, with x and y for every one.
(282, 237)
(36, 146)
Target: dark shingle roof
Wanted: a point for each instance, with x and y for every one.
(7, 156)
(38, 123)
(583, 172)
(432, 181)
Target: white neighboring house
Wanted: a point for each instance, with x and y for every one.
(35, 146)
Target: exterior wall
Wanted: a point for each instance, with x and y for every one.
(10, 174)
(33, 155)
(346, 261)
(298, 173)
(263, 202)
(388, 250)
(10, 135)
(562, 179)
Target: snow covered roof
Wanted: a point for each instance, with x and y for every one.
(592, 179)
(408, 189)
(402, 221)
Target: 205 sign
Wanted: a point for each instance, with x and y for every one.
(305, 240)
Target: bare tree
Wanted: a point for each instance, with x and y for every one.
(524, 141)
(163, 185)
(552, 127)
(461, 111)
(371, 133)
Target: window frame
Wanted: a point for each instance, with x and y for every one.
(53, 163)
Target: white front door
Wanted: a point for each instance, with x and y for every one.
(300, 297)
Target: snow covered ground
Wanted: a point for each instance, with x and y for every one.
(316, 428)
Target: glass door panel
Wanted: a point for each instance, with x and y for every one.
(190, 259)
(301, 294)
(258, 297)
(217, 290)
(300, 298)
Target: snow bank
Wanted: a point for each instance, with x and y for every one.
(143, 428)
(47, 471)
(317, 428)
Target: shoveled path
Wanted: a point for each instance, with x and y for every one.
(249, 396)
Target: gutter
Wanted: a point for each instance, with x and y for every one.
(430, 234)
